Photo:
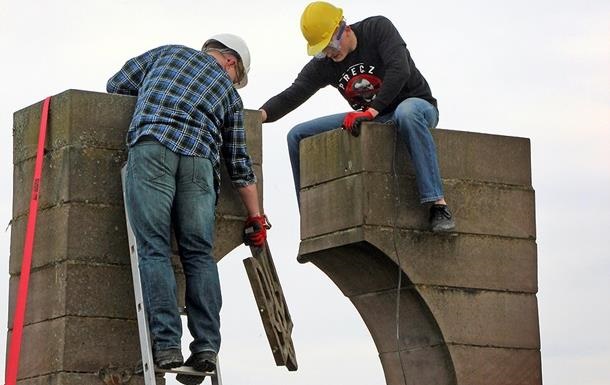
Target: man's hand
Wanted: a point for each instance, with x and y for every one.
(255, 230)
(264, 115)
(353, 120)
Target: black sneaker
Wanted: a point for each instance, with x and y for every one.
(202, 362)
(188, 379)
(168, 358)
(441, 219)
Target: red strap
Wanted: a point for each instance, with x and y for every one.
(12, 364)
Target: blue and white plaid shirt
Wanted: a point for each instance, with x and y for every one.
(188, 103)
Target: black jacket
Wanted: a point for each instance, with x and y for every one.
(379, 73)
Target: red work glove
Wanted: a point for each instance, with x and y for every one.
(255, 230)
(353, 120)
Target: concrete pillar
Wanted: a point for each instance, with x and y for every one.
(467, 311)
(80, 316)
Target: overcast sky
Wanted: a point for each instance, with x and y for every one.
(537, 68)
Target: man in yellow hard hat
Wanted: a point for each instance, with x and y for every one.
(369, 64)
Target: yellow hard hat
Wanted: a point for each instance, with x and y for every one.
(318, 22)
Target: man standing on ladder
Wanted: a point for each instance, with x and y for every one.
(188, 113)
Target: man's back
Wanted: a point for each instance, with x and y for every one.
(180, 91)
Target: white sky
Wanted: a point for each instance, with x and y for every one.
(537, 68)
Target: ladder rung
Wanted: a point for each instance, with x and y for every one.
(185, 370)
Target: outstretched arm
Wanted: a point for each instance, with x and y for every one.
(131, 76)
(249, 196)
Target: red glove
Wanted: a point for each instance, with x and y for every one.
(255, 230)
(354, 119)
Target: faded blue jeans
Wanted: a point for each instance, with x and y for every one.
(162, 188)
(414, 118)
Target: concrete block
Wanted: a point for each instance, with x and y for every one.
(96, 233)
(76, 117)
(100, 291)
(332, 206)
(93, 233)
(477, 365)
(96, 119)
(468, 260)
(41, 348)
(310, 247)
(71, 174)
(484, 318)
(461, 155)
(426, 366)
(229, 202)
(228, 235)
(49, 246)
(83, 379)
(483, 157)
(368, 198)
(78, 344)
(77, 289)
(81, 289)
(46, 295)
(93, 343)
(417, 328)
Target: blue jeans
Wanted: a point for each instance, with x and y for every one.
(162, 188)
(413, 118)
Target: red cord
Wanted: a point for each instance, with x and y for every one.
(12, 364)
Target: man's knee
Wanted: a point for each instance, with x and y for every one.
(414, 113)
(409, 109)
(294, 137)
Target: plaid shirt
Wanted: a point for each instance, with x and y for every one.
(188, 103)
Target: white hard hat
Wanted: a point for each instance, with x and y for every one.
(238, 45)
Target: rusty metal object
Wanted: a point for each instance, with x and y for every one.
(271, 305)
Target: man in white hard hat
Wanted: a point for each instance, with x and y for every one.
(369, 64)
(187, 112)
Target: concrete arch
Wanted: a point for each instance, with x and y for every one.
(370, 280)
(468, 313)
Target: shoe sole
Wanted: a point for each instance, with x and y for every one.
(169, 364)
(189, 380)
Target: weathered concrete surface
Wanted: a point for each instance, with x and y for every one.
(77, 344)
(85, 379)
(370, 196)
(467, 308)
(80, 314)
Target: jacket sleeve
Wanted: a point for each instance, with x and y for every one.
(130, 77)
(395, 56)
(234, 150)
(307, 83)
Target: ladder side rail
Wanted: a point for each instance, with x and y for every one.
(216, 378)
(148, 365)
